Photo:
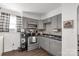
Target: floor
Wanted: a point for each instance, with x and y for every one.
(35, 52)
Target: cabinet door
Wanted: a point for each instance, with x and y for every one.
(54, 22)
(59, 17)
(55, 47)
(40, 24)
(46, 21)
(25, 22)
(41, 42)
(46, 43)
(32, 21)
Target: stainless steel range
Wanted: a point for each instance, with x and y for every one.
(33, 43)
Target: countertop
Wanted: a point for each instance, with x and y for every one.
(55, 37)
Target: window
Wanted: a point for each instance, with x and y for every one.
(12, 26)
(10, 23)
(19, 23)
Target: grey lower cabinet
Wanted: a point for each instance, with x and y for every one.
(55, 47)
(42, 42)
(50, 45)
(45, 43)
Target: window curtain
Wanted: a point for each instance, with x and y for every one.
(19, 23)
(4, 22)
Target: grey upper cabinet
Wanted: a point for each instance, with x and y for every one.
(24, 22)
(29, 23)
(32, 21)
(54, 22)
(59, 19)
(46, 21)
(40, 24)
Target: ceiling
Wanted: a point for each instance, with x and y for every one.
(31, 7)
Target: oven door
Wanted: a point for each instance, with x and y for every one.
(32, 40)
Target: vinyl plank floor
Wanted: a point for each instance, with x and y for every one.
(35, 52)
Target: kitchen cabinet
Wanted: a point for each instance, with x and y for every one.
(52, 46)
(55, 47)
(25, 22)
(41, 43)
(54, 22)
(32, 21)
(59, 21)
(44, 43)
(40, 25)
(46, 21)
(29, 23)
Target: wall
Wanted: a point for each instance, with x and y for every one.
(11, 40)
(1, 45)
(69, 36)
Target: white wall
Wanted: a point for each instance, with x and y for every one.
(11, 38)
(69, 36)
(1, 45)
